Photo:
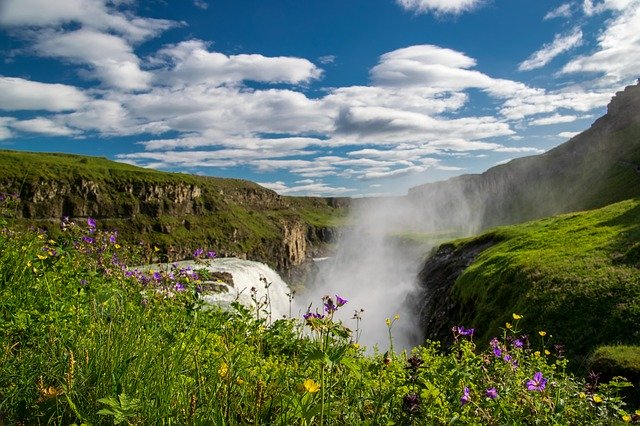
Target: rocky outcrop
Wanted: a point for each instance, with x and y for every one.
(433, 304)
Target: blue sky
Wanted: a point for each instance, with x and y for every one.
(307, 97)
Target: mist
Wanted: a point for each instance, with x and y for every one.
(377, 259)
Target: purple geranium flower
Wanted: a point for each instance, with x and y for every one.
(91, 222)
(538, 383)
(517, 344)
(340, 301)
(198, 252)
(466, 397)
(211, 254)
(497, 351)
(88, 240)
(492, 393)
(179, 287)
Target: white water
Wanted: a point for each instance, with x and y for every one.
(246, 275)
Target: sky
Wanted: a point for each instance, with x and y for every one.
(306, 97)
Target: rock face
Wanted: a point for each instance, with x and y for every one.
(586, 172)
(177, 213)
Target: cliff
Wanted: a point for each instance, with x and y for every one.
(175, 212)
(593, 169)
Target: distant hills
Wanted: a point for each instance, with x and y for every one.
(593, 169)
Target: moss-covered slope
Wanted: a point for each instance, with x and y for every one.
(576, 276)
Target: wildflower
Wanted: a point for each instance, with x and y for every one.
(517, 344)
(340, 301)
(88, 240)
(198, 252)
(461, 331)
(117, 246)
(497, 352)
(329, 306)
(537, 353)
(492, 393)
(415, 362)
(597, 398)
(517, 317)
(542, 333)
(223, 371)
(396, 317)
(311, 386)
(411, 403)
(388, 322)
(466, 397)
(211, 254)
(91, 223)
(509, 326)
(626, 418)
(112, 238)
(546, 352)
(157, 276)
(538, 383)
(582, 395)
(494, 342)
(180, 287)
(41, 257)
(156, 249)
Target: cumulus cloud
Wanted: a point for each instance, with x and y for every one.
(20, 94)
(560, 44)
(617, 55)
(310, 189)
(453, 7)
(190, 62)
(111, 58)
(42, 126)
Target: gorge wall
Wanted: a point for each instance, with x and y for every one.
(175, 212)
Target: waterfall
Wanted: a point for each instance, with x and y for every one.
(269, 287)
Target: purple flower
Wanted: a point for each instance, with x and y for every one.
(340, 301)
(466, 397)
(538, 383)
(497, 352)
(112, 238)
(507, 358)
(88, 240)
(311, 315)
(180, 287)
(198, 252)
(157, 276)
(518, 344)
(211, 254)
(494, 342)
(83, 282)
(464, 331)
(329, 306)
(411, 403)
(492, 393)
(91, 222)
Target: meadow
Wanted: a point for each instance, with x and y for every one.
(87, 339)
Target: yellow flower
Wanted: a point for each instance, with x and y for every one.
(388, 322)
(311, 386)
(597, 398)
(517, 317)
(223, 371)
(537, 353)
(626, 418)
(396, 317)
(356, 346)
(41, 237)
(542, 333)
(41, 257)
(508, 325)
(582, 395)
(546, 352)
(156, 249)
(239, 381)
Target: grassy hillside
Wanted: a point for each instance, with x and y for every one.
(175, 212)
(576, 276)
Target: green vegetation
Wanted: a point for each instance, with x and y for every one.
(84, 339)
(176, 212)
(576, 276)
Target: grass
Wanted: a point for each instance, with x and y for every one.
(83, 339)
(575, 275)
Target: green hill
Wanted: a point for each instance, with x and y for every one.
(575, 276)
(175, 212)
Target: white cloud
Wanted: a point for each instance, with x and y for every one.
(190, 62)
(327, 59)
(311, 189)
(617, 56)
(560, 44)
(201, 4)
(43, 126)
(553, 119)
(5, 132)
(568, 135)
(111, 57)
(20, 94)
(94, 14)
(562, 11)
(440, 6)
(538, 101)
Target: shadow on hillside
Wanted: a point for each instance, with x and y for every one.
(626, 249)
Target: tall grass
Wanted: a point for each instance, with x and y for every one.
(84, 339)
